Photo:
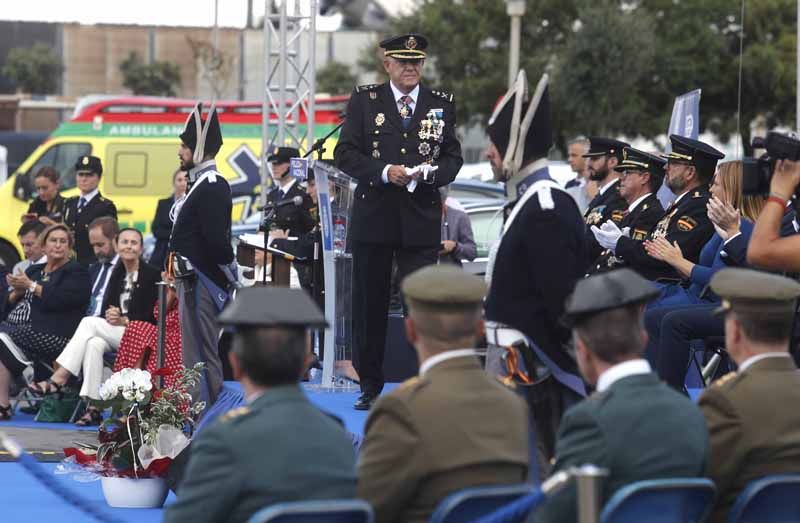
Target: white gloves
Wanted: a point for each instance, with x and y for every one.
(608, 234)
(425, 172)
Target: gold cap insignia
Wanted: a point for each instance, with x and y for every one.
(85, 160)
(411, 43)
(373, 95)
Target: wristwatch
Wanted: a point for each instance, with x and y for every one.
(32, 286)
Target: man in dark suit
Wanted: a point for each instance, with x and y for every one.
(458, 242)
(533, 267)
(750, 439)
(279, 447)
(603, 157)
(80, 211)
(428, 438)
(399, 142)
(690, 167)
(296, 219)
(633, 425)
(642, 174)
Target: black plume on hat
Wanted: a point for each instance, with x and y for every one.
(194, 129)
(539, 138)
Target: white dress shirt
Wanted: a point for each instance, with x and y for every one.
(607, 186)
(444, 356)
(414, 95)
(637, 201)
(622, 370)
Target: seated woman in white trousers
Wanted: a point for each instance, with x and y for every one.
(130, 295)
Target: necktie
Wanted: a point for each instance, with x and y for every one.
(81, 203)
(405, 110)
(98, 286)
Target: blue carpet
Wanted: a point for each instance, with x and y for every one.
(26, 421)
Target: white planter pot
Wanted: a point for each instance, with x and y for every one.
(134, 493)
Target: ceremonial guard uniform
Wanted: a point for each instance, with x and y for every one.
(607, 204)
(203, 258)
(540, 256)
(391, 221)
(641, 215)
(685, 221)
(79, 213)
(296, 218)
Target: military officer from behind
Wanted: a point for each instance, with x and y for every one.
(690, 168)
(395, 135)
(279, 447)
(291, 217)
(80, 211)
(604, 155)
(641, 177)
(429, 437)
(634, 426)
(752, 415)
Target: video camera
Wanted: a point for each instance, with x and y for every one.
(757, 172)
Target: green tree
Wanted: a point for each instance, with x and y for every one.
(156, 79)
(34, 69)
(335, 78)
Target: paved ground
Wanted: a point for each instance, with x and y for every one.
(46, 444)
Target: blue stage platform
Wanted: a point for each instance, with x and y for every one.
(24, 500)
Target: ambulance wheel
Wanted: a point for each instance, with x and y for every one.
(8, 255)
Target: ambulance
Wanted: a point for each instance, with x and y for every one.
(136, 138)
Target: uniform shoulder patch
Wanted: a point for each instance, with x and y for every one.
(617, 215)
(443, 95)
(725, 379)
(686, 223)
(639, 234)
(234, 413)
(365, 87)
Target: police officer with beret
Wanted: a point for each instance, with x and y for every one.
(690, 167)
(80, 211)
(278, 447)
(399, 142)
(603, 157)
(295, 218)
(752, 414)
(642, 174)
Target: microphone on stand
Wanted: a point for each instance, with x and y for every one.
(296, 201)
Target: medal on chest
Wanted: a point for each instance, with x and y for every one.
(662, 226)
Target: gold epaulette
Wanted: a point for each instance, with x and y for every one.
(443, 95)
(724, 379)
(366, 87)
(234, 413)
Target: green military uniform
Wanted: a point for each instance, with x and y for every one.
(637, 427)
(451, 428)
(277, 448)
(752, 415)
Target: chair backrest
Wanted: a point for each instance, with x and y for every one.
(676, 500)
(771, 498)
(472, 503)
(323, 511)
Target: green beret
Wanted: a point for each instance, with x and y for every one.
(443, 287)
(606, 291)
(747, 290)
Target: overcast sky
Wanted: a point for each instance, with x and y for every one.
(232, 13)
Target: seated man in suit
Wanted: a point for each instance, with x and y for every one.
(633, 425)
(279, 447)
(452, 427)
(752, 416)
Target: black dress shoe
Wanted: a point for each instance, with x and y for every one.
(365, 401)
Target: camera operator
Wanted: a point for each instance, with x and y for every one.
(767, 248)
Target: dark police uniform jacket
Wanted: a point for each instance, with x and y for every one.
(640, 220)
(372, 137)
(296, 218)
(541, 256)
(750, 439)
(79, 222)
(202, 230)
(685, 222)
(609, 205)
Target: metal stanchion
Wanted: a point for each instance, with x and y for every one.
(588, 479)
(162, 329)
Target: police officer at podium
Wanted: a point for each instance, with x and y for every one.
(396, 214)
(296, 219)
